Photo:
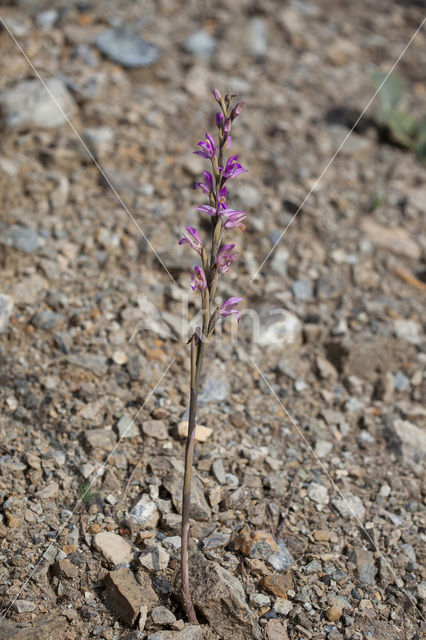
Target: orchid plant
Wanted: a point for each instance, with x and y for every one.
(216, 258)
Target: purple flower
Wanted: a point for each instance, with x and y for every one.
(233, 168)
(219, 119)
(228, 308)
(225, 257)
(234, 219)
(208, 147)
(222, 198)
(198, 280)
(206, 208)
(207, 185)
(193, 239)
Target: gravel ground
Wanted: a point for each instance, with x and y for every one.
(308, 497)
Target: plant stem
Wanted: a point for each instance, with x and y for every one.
(197, 352)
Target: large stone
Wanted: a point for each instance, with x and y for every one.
(220, 597)
(124, 595)
(377, 629)
(126, 47)
(407, 440)
(366, 356)
(394, 239)
(29, 104)
(113, 547)
(44, 627)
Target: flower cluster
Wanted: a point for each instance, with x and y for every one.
(219, 257)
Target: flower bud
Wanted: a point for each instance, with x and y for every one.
(237, 110)
(217, 95)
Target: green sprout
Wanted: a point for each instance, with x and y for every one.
(404, 129)
(86, 494)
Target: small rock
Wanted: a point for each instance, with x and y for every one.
(113, 547)
(401, 382)
(126, 47)
(172, 542)
(202, 434)
(219, 471)
(99, 141)
(6, 306)
(407, 440)
(318, 493)
(21, 238)
(259, 600)
(408, 330)
(91, 362)
(364, 561)
(282, 606)
(282, 559)
(201, 44)
(47, 18)
(384, 387)
(135, 367)
(143, 611)
(302, 290)
(155, 558)
(278, 584)
(274, 630)
(64, 568)
(145, 512)
(119, 357)
(350, 507)
(200, 509)
(341, 51)
(326, 369)
(421, 590)
(127, 427)
(258, 36)
(155, 429)
(255, 544)
(124, 595)
(334, 613)
(162, 616)
(283, 329)
(29, 104)
(323, 448)
(98, 441)
(49, 491)
(217, 539)
(191, 632)
(214, 390)
(24, 606)
(47, 320)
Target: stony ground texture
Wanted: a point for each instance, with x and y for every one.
(308, 489)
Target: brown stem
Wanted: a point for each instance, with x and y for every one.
(197, 352)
